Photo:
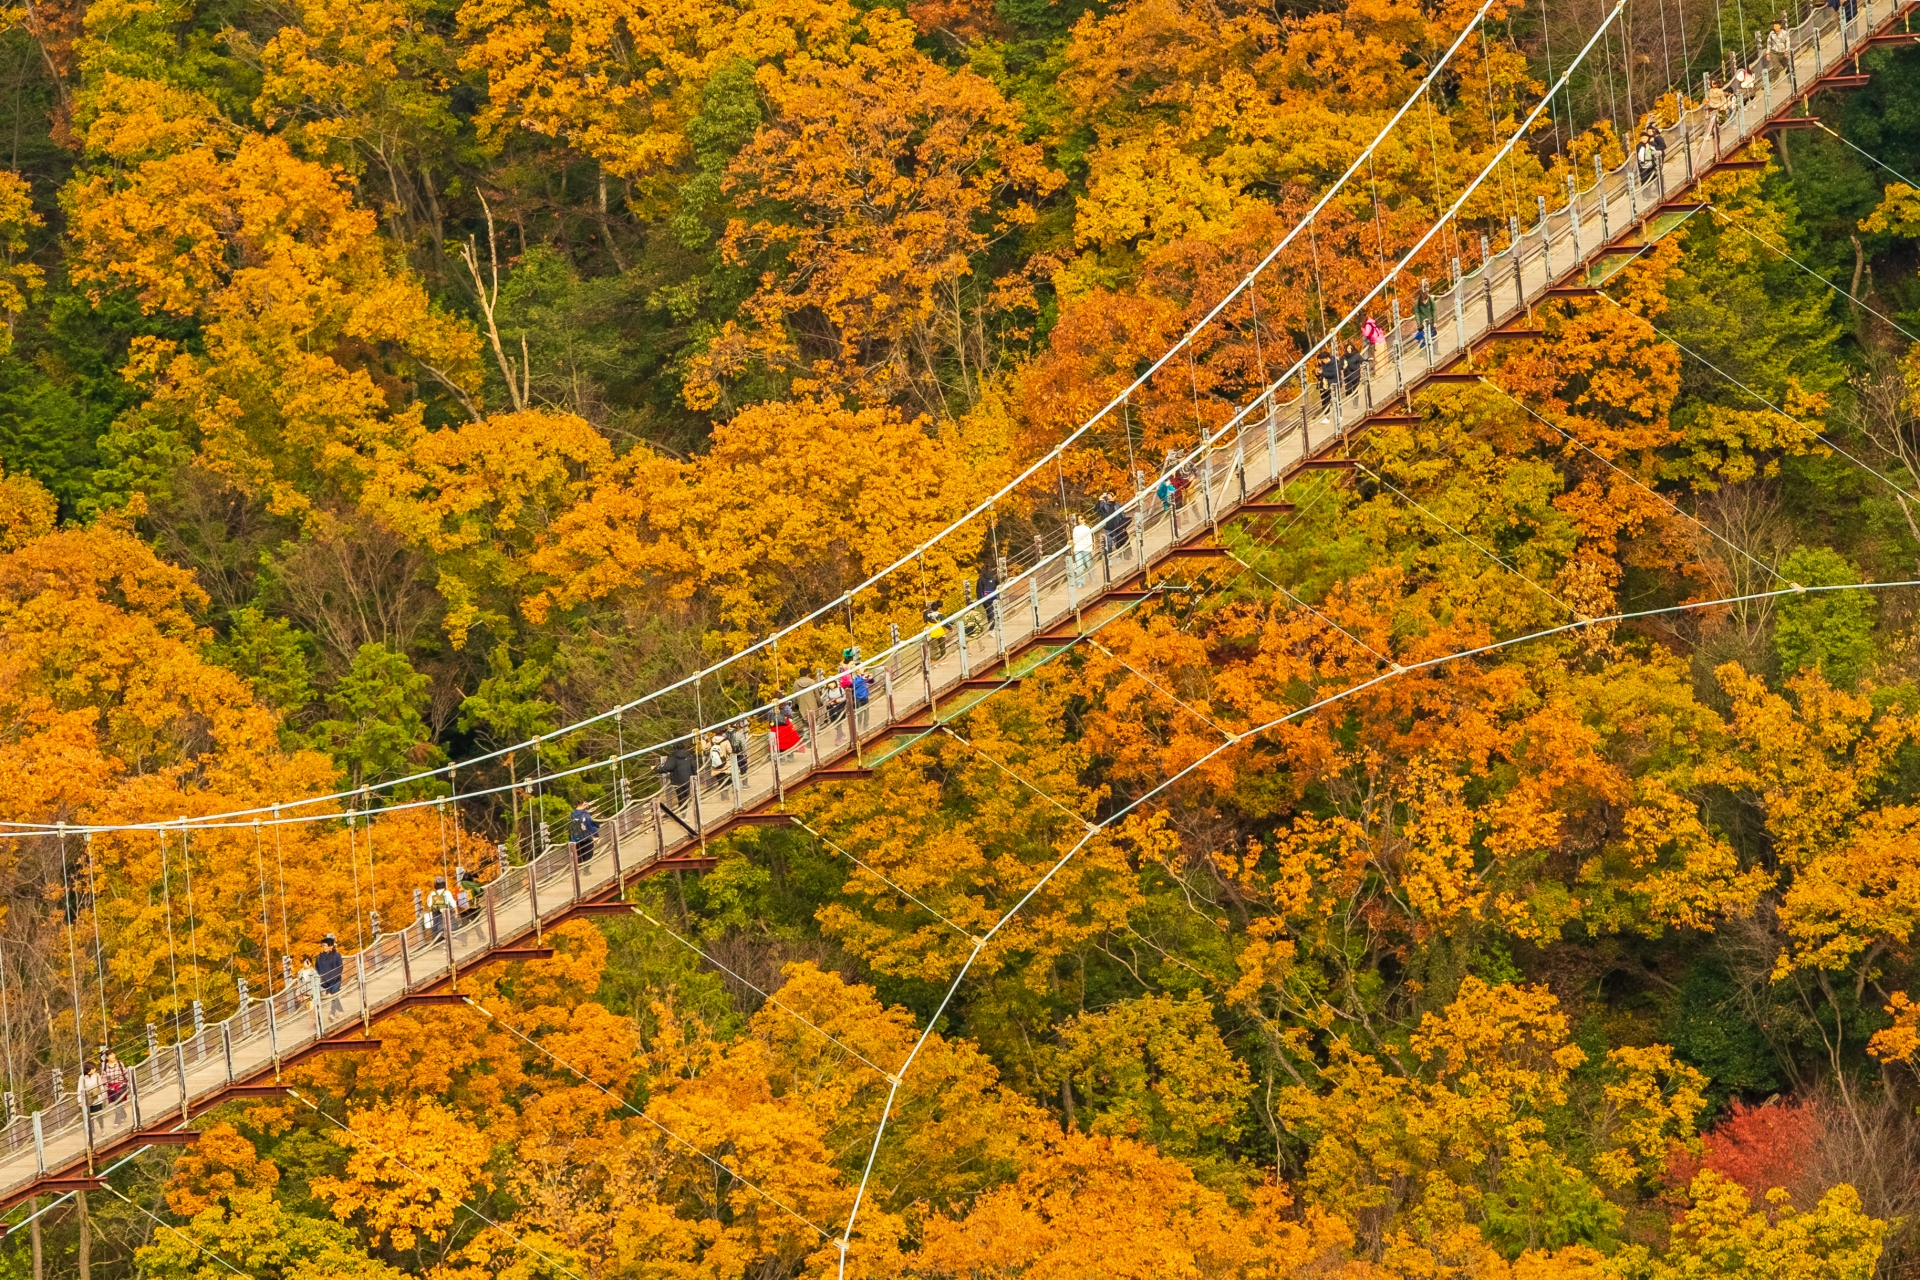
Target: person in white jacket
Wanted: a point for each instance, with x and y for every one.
(1082, 550)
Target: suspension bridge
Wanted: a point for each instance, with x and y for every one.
(1048, 598)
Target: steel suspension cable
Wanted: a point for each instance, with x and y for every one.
(166, 897)
(1848, 294)
(99, 947)
(280, 874)
(72, 905)
(1869, 155)
(353, 861)
(193, 927)
(6, 1028)
(823, 839)
(266, 927)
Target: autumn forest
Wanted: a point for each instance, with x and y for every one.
(1500, 859)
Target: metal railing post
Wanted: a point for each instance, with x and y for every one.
(1273, 408)
(1513, 252)
(1459, 299)
(619, 872)
(1600, 185)
(1399, 373)
(1546, 246)
(533, 897)
(453, 964)
(406, 960)
(1573, 213)
(1487, 281)
(960, 632)
(1306, 440)
(39, 1146)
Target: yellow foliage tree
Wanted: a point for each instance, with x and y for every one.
(411, 1167)
(793, 504)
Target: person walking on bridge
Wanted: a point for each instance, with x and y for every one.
(737, 753)
(119, 1084)
(1646, 159)
(441, 904)
(584, 828)
(1716, 100)
(327, 970)
(1082, 551)
(1352, 369)
(988, 592)
(806, 700)
(1117, 524)
(1328, 376)
(307, 984)
(1374, 337)
(1424, 315)
(936, 631)
(834, 699)
(676, 771)
(862, 692)
(785, 736)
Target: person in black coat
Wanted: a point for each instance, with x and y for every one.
(1113, 522)
(583, 828)
(679, 771)
(328, 965)
(988, 591)
(1350, 367)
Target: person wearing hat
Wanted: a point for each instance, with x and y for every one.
(326, 968)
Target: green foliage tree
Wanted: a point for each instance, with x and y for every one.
(1828, 631)
(508, 705)
(272, 654)
(378, 728)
